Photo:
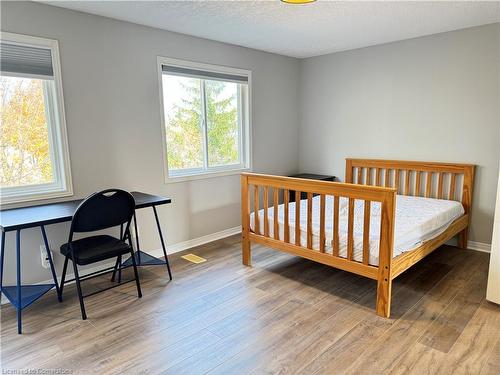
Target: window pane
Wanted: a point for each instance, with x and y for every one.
(183, 115)
(25, 156)
(222, 122)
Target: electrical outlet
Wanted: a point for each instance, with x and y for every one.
(44, 257)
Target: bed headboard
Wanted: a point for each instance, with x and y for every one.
(419, 178)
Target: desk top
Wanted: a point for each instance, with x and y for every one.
(45, 214)
(312, 176)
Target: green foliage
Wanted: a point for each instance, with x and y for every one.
(184, 132)
(185, 126)
(222, 129)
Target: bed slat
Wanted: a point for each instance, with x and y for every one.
(276, 228)
(453, 182)
(387, 178)
(297, 218)
(350, 230)
(378, 172)
(440, 186)
(368, 176)
(417, 184)
(266, 216)
(336, 207)
(360, 176)
(309, 220)
(286, 198)
(428, 185)
(366, 233)
(256, 208)
(407, 182)
(396, 181)
(322, 223)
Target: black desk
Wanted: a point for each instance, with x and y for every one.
(17, 219)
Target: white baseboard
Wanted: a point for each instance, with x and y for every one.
(171, 249)
(479, 246)
(181, 246)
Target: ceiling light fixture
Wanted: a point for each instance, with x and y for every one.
(298, 1)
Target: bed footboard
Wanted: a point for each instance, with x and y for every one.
(264, 191)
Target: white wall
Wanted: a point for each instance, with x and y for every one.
(111, 94)
(433, 98)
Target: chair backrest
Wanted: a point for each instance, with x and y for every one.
(102, 210)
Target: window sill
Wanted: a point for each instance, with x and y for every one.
(17, 201)
(205, 175)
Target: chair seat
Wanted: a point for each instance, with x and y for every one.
(96, 248)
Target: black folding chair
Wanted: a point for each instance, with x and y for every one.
(102, 210)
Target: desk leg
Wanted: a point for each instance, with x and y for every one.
(52, 269)
(144, 259)
(2, 249)
(18, 260)
(162, 243)
(137, 241)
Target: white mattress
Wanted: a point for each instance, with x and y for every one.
(417, 220)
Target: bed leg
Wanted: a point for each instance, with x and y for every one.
(246, 251)
(463, 238)
(384, 286)
(245, 221)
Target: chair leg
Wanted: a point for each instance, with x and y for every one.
(79, 290)
(119, 269)
(114, 271)
(63, 277)
(136, 274)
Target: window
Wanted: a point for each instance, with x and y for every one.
(205, 119)
(34, 161)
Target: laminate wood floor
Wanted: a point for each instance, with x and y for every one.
(285, 315)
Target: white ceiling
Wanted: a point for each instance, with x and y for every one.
(298, 30)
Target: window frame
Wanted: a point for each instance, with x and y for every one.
(244, 123)
(57, 132)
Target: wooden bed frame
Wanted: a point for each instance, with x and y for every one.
(370, 181)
